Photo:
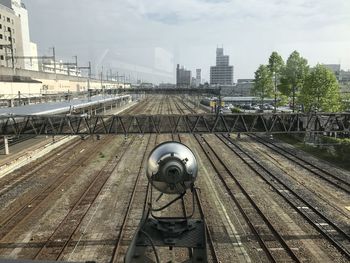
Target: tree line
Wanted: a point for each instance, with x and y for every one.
(306, 89)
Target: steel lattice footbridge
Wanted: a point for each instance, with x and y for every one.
(270, 123)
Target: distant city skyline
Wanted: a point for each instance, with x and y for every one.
(149, 38)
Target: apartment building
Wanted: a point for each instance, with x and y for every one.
(10, 37)
(16, 36)
(222, 73)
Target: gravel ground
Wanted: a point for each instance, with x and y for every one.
(98, 233)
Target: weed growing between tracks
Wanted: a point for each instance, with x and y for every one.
(335, 151)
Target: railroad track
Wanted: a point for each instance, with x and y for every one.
(52, 248)
(160, 109)
(337, 236)
(9, 182)
(311, 188)
(29, 207)
(137, 108)
(116, 255)
(62, 235)
(270, 240)
(178, 107)
(191, 110)
(15, 140)
(214, 254)
(117, 251)
(213, 251)
(325, 175)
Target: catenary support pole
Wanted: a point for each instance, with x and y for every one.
(6, 143)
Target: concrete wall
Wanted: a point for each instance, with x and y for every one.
(55, 83)
(7, 88)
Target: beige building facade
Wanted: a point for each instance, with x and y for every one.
(10, 38)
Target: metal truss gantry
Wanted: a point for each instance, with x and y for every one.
(169, 91)
(193, 124)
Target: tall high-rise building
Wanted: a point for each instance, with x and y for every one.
(198, 76)
(222, 73)
(14, 13)
(183, 77)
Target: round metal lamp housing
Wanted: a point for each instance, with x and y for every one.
(172, 168)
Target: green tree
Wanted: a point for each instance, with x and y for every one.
(282, 99)
(263, 86)
(321, 91)
(345, 102)
(293, 76)
(276, 65)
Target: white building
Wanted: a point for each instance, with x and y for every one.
(59, 67)
(10, 37)
(24, 44)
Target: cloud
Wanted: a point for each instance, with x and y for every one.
(190, 30)
(296, 11)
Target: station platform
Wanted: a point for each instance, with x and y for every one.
(61, 107)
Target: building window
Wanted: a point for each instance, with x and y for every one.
(1, 37)
(9, 38)
(2, 57)
(0, 26)
(8, 29)
(8, 20)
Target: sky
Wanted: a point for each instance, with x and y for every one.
(145, 39)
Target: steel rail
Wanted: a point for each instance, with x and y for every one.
(203, 215)
(321, 173)
(53, 249)
(31, 205)
(273, 230)
(9, 182)
(116, 249)
(297, 202)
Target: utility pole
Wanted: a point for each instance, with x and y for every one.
(275, 82)
(54, 58)
(293, 98)
(275, 74)
(6, 144)
(88, 79)
(294, 91)
(102, 82)
(76, 64)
